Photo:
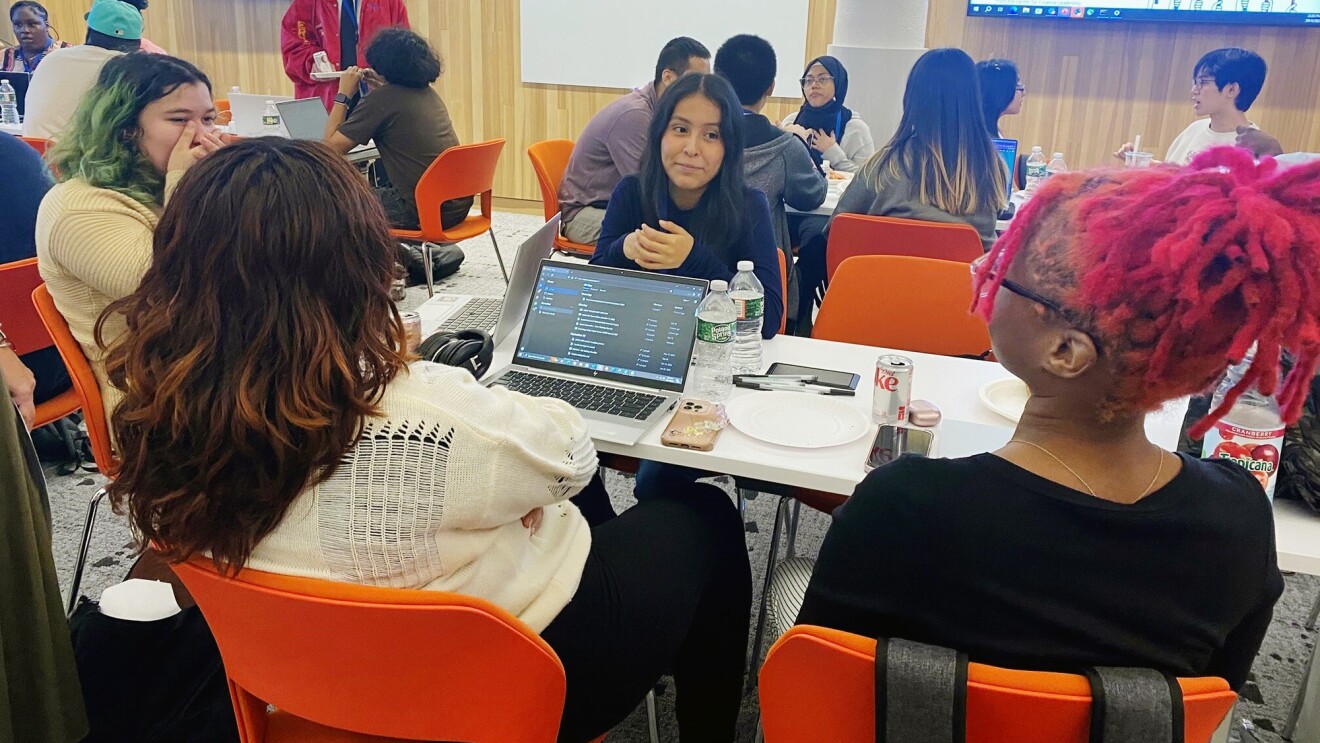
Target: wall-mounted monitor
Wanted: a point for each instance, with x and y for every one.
(1254, 12)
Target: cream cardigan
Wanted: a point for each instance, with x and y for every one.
(432, 494)
(93, 247)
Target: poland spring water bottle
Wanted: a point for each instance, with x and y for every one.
(716, 318)
(749, 301)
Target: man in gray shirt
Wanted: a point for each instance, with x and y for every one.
(611, 146)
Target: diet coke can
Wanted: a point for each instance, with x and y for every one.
(893, 389)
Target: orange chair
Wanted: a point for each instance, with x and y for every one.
(549, 160)
(23, 326)
(89, 396)
(783, 287)
(903, 303)
(223, 114)
(38, 144)
(819, 684)
(862, 234)
(458, 172)
(351, 663)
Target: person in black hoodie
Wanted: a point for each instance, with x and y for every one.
(775, 162)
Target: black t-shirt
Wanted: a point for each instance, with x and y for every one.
(981, 555)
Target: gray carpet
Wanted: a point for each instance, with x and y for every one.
(1267, 699)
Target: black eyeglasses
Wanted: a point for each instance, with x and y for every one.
(1020, 88)
(1026, 293)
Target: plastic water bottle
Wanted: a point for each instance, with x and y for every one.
(748, 297)
(270, 121)
(1037, 168)
(1251, 433)
(1056, 166)
(8, 103)
(716, 321)
(235, 90)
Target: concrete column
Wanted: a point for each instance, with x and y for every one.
(879, 41)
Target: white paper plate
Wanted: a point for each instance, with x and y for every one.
(1007, 397)
(797, 419)
(327, 75)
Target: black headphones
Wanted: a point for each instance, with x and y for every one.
(469, 349)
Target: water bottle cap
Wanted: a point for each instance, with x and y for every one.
(270, 103)
(1037, 148)
(1058, 155)
(719, 285)
(746, 265)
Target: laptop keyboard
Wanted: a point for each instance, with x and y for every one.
(583, 395)
(481, 313)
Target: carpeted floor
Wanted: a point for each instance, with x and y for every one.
(1267, 699)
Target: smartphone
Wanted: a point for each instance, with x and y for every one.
(695, 425)
(824, 377)
(891, 442)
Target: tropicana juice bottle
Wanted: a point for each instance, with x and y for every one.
(1251, 433)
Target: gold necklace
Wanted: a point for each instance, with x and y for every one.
(1159, 470)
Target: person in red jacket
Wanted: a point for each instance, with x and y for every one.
(341, 28)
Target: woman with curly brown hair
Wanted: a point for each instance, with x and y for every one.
(1081, 543)
(271, 418)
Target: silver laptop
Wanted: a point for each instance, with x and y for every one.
(304, 119)
(613, 343)
(449, 313)
(246, 110)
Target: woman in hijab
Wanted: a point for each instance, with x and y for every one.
(833, 133)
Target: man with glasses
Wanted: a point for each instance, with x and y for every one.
(1225, 83)
(340, 28)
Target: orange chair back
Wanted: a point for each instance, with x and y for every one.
(460, 171)
(221, 105)
(386, 662)
(549, 161)
(84, 381)
(783, 286)
(862, 234)
(38, 144)
(23, 326)
(903, 303)
(819, 684)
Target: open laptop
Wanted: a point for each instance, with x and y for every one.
(19, 81)
(1008, 149)
(304, 119)
(613, 343)
(498, 316)
(246, 110)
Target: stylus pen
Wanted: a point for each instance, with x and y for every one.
(808, 388)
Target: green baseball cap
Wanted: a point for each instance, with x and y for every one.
(115, 18)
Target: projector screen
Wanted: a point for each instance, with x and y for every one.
(614, 43)
(1254, 12)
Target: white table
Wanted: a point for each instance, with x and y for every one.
(951, 383)
(14, 129)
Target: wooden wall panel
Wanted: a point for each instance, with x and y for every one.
(236, 42)
(1091, 86)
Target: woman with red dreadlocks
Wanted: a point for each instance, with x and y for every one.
(1081, 543)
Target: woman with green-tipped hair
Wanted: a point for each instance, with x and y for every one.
(145, 122)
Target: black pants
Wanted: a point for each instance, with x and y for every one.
(810, 232)
(403, 214)
(48, 368)
(667, 588)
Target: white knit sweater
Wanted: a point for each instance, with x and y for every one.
(432, 494)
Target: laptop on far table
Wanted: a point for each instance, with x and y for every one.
(246, 110)
(19, 81)
(304, 119)
(613, 343)
(447, 312)
(1008, 149)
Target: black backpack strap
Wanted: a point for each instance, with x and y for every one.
(1129, 704)
(920, 693)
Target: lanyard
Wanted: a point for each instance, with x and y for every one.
(28, 68)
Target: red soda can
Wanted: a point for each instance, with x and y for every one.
(893, 389)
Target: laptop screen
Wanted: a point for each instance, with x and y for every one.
(305, 118)
(610, 323)
(1008, 150)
